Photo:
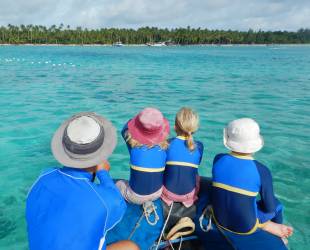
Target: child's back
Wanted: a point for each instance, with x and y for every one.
(147, 167)
(181, 180)
(145, 136)
(236, 183)
(237, 179)
(181, 174)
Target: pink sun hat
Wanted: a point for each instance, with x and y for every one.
(149, 127)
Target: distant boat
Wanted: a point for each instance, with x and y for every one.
(160, 44)
(118, 44)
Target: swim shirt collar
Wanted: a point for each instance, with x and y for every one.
(182, 137)
(243, 157)
(76, 173)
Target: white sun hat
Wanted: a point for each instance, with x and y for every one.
(243, 136)
(84, 140)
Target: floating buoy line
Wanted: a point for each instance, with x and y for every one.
(30, 62)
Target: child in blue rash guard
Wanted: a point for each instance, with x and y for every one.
(181, 179)
(238, 179)
(146, 139)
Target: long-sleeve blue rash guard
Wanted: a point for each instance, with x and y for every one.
(66, 210)
(182, 166)
(147, 166)
(236, 183)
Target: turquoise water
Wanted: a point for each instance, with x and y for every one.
(41, 86)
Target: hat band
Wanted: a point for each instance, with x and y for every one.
(83, 149)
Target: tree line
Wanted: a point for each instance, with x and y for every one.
(61, 34)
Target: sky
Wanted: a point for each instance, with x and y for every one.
(212, 14)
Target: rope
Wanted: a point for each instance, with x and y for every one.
(168, 242)
(208, 210)
(180, 243)
(201, 219)
(226, 237)
(209, 226)
(162, 231)
(136, 226)
(148, 209)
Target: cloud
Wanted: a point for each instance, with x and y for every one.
(216, 14)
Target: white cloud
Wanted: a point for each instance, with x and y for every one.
(216, 14)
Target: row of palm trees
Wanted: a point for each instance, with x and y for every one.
(61, 34)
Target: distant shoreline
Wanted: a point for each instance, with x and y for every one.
(145, 45)
(65, 35)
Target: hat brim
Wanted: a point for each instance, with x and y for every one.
(148, 139)
(245, 147)
(89, 160)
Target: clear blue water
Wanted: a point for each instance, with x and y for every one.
(41, 86)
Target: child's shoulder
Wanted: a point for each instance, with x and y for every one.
(177, 140)
(219, 156)
(262, 169)
(199, 144)
(227, 158)
(170, 140)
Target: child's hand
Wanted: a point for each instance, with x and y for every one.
(103, 166)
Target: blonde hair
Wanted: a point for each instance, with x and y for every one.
(186, 123)
(134, 143)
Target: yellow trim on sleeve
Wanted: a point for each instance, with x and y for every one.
(181, 163)
(254, 228)
(151, 170)
(234, 189)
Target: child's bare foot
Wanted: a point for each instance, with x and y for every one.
(281, 230)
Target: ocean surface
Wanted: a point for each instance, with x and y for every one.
(42, 86)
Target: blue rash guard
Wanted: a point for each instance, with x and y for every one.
(66, 210)
(237, 180)
(182, 166)
(147, 166)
